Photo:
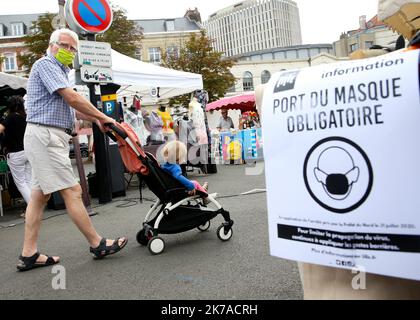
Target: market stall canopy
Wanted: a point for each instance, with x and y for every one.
(135, 76)
(402, 16)
(244, 102)
(11, 85)
(14, 82)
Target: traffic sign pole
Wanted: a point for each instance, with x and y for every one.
(101, 143)
(102, 164)
(88, 18)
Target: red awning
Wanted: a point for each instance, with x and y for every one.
(244, 102)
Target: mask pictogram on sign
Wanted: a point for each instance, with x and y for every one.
(338, 175)
(337, 172)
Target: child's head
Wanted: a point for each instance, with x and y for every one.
(175, 152)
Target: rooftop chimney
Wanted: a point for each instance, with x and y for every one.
(362, 22)
(193, 15)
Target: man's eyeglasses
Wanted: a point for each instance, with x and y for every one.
(66, 46)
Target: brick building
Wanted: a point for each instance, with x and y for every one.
(13, 29)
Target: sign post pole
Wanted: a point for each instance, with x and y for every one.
(88, 18)
(60, 22)
(101, 143)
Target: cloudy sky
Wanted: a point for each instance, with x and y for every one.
(322, 21)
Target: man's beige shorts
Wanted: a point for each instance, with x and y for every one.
(47, 150)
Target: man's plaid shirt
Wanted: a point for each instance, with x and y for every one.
(44, 105)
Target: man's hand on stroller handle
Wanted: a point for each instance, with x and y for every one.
(105, 123)
(114, 126)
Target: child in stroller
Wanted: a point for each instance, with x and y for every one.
(175, 210)
(175, 153)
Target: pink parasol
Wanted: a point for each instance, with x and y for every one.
(244, 102)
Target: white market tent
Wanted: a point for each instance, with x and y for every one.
(135, 76)
(12, 81)
(11, 85)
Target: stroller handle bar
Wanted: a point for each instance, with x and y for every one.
(117, 130)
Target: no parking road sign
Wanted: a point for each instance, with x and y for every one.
(88, 16)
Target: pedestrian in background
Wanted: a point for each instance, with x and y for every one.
(13, 127)
(225, 122)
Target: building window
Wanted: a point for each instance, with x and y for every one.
(17, 29)
(292, 54)
(248, 81)
(1, 30)
(368, 44)
(154, 55)
(35, 30)
(172, 51)
(354, 47)
(314, 52)
(303, 54)
(170, 25)
(265, 76)
(138, 54)
(9, 63)
(280, 55)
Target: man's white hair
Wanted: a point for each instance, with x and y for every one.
(55, 36)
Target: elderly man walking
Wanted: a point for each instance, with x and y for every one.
(52, 106)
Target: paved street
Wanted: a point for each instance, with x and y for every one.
(194, 265)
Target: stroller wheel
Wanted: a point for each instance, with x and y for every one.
(205, 226)
(223, 235)
(156, 245)
(142, 238)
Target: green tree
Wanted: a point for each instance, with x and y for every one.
(123, 35)
(37, 40)
(199, 56)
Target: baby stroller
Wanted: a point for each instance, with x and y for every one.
(174, 211)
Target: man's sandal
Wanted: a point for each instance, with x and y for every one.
(103, 250)
(29, 263)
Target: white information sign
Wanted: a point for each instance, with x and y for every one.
(96, 74)
(94, 53)
(341, 144)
